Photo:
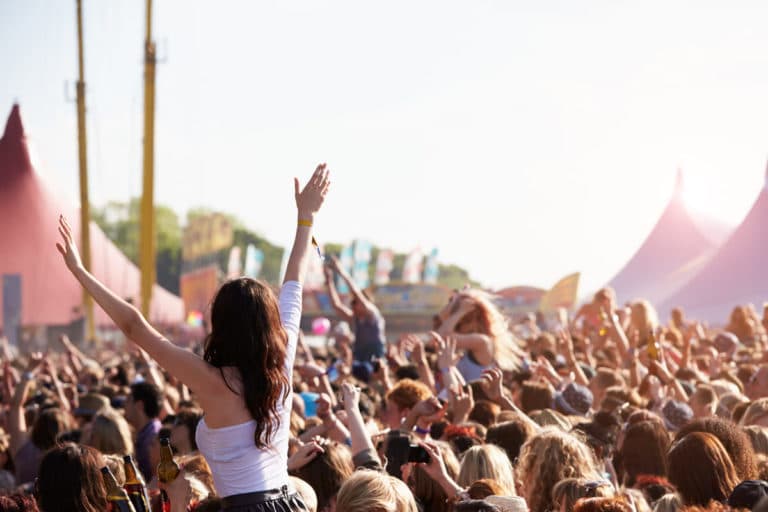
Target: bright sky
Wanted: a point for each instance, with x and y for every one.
(526, 140)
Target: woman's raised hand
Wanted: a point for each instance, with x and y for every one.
(310, 199)
(67, 247)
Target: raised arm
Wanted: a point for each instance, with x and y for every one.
(308, 203)
(186, 366)
(344, 312)
(353, 288)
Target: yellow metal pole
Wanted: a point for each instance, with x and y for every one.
(147, 238)
(85, 208)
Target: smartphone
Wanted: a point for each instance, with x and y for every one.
(333, 373)
(417, 453)
(376, 365)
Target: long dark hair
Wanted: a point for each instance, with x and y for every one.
(246, 333)
(70, 480)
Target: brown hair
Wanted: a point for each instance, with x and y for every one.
(481, 489)
(246, 333)
(510, 436)
(327, 472)
(643, 452)
(70, 480)
(701, 469)
(408, 392)
(536, 396)
(733, 439)
(47, 427)
(484, 412)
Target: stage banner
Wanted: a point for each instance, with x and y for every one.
(362, 257)
(431, 268)
(198, 288)
(254, 259)
(563, 295)
(412, 266)
(384, 265)
(12, 307)
(204, 235)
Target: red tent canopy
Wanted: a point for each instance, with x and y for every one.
(735, 275)
(670, 256)
(50, 295)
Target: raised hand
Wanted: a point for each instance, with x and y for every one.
(493, 383)
(351, 396)
(462, 402)
(304, 455)
(311, 197)
(67, 246)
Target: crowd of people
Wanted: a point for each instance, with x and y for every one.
(610, 410)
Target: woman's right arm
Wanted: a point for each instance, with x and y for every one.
(183, 364)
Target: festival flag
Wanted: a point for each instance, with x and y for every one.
(384, 265)
(412, 266)
(362, 256)
(235, 266)
(315, 278)
(431, 268)
(562, 295)
(254, 259)
(347, 259)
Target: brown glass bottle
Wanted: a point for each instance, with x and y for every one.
(167, 470)
(116, 495)
(653, 348)
(135, 486)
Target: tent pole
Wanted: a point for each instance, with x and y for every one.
(147, 233)
(85, 213)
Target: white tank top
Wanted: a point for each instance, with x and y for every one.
(237, 465)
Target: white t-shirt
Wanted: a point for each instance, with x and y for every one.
(238, 466)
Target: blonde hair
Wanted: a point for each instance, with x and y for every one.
(373, 491)
(488, 319)
(758, 436)
(110, 434)
(755, 411)
(546, 459)
(567, 492)
(487, 461)
(644, 317)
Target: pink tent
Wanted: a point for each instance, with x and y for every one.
(677, 247)
(734, 275)
(29, 213)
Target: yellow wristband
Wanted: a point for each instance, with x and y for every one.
(305, 223)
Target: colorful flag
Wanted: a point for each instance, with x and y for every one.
(254, 259)
(412, 266)
(347, 259)
(562, 295)
(362, 255)
(384, 265)
(315, 278)
(235, 266)
(431, 268)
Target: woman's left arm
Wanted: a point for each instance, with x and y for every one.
(308, 203)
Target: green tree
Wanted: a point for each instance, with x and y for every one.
(120, 222)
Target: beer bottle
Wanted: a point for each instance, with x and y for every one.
(653, 348)
(116, 495)
(167, 470)
(603, 321)
(135, 486)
